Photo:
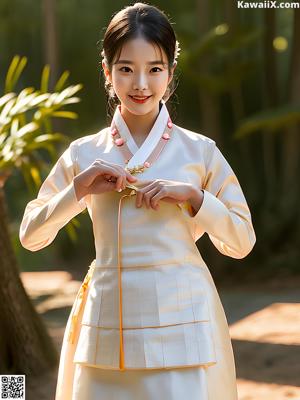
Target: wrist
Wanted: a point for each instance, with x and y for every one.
(196, 198)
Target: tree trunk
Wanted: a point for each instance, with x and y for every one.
(237, 104)
(270, 99)
(208, 101)
(50, 38)
(51, 48)
(291, 142)
(25, 345)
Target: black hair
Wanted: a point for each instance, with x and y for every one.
(139, 19)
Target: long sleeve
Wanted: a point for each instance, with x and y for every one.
(224, 213)
(56, 204)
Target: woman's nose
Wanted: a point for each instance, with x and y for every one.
(140, 82)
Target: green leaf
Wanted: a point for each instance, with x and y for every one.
(6, 110)
(71, 100)
(61, 82)
(25, 123)
(51, 100)
(47, 124)
(25, 92)
(14, 71)
(10, 73)
(35, 174)
(3, 136)
(6, 98)
(65, 114)
(14, 127)
(39, 99)
(68, 92)
(21, 105)
(50, 137)
(45, 78)
(28, 128)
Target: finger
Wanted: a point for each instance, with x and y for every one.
(130, 177)
(125, 181)
(148, 185)
(107, 166)
(117, 174)
(119, 183)
(156, 198)
(122, 179)
(139, 198)
(147, 198)
(123, 173)
(103, 169)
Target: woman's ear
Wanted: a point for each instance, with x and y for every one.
(106, 71)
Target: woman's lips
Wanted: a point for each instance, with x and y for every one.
(139, 100)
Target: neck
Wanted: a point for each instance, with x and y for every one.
(140, 125)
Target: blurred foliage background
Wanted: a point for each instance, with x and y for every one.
(239, 83)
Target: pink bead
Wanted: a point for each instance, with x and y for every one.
(114, 131)
(170, 124)
(119, 141)
(146, 164)
(166, 136)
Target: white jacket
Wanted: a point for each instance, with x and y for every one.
(151, 301)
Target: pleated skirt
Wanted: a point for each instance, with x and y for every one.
(216, 382)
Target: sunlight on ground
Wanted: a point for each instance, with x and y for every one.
(264, 391)
(45, 282)
(277, 323)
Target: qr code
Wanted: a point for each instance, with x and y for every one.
(12, 387)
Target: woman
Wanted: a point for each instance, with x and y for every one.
(147, 322)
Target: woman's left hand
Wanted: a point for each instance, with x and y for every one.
(161, 189)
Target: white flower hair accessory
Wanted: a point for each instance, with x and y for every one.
(177, 50)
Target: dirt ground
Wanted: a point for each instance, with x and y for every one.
(264, 323)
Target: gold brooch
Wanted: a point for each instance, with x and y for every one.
(136, 169)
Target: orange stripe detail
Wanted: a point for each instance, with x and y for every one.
(122, 363)
(79, 301)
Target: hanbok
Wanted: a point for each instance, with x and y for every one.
(147, 322)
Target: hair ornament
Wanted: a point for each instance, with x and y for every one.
(177, 50)
(104, 56)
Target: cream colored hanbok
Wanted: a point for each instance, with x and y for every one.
(147, 322)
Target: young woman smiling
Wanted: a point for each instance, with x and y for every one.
(147, 322)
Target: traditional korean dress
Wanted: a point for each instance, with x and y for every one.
(147, 322)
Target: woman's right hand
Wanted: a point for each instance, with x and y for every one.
(101, 176)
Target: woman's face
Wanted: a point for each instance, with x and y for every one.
(140, 77)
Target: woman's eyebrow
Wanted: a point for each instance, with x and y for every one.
(150, 62)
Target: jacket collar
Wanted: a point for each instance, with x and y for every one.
(140, 154)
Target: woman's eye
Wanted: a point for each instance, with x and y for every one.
(156, 68)
(125, 69)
